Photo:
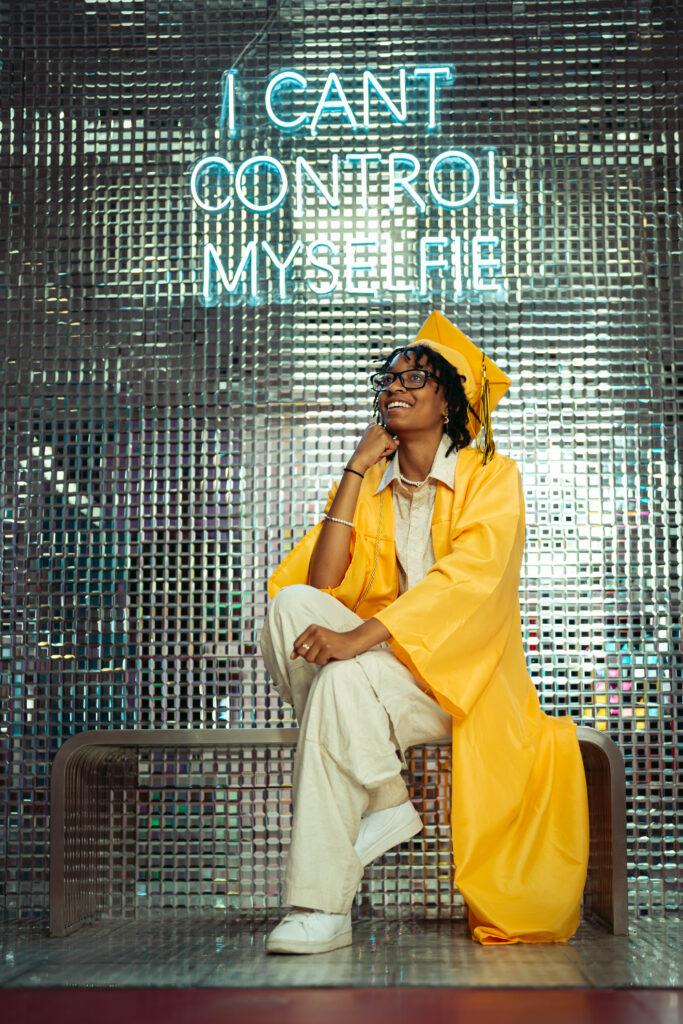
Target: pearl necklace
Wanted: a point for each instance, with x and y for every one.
(415, 483)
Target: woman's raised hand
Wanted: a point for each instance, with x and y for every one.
(375, 444)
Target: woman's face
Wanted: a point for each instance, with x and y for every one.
(420, 408)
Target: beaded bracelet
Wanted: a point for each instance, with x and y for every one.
(335, 520)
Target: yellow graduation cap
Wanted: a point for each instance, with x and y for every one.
(484, 383)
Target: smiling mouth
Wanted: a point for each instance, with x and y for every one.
(393, 408)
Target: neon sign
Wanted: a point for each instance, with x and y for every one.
(349, 257)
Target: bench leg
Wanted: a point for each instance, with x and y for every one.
(606, 899)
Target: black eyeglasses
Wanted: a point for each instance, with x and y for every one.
(408, 378)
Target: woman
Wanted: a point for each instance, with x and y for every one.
(396, 621)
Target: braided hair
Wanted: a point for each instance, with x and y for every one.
(450, 380)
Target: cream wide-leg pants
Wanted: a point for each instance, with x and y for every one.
(356, 717)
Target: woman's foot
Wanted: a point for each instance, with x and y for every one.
(310, 931)
(382, 830)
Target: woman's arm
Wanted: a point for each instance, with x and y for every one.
(370, 633)
(331, 557)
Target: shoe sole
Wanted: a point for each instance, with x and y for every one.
(336, 942)
(387, 842)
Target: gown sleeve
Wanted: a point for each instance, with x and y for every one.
(295, 565)
(451, 628)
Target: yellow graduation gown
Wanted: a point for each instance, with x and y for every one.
(519, 805)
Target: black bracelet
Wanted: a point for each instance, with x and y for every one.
(347, 469)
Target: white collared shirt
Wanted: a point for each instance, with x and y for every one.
(413, 509)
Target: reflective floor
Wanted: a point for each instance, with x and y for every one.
(212, 950)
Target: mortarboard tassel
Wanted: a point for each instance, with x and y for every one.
(489, 445)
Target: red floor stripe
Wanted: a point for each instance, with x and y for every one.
(340, 1006)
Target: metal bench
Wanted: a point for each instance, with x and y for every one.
(95, 833)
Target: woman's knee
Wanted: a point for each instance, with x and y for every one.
(289, 608)
(292, 600)
(299, 605)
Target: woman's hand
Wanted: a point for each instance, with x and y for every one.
(318, 645)
(375, 444)
(328, 645)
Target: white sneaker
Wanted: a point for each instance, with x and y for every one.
(310, 931)
(381, 830)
